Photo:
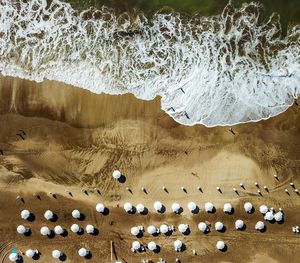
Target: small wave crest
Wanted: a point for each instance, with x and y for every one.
(218, 70)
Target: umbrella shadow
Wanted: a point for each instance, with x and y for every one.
(65, 233)
(196, 210)
(223, 230)
(51, 235)
(169, 233)
(37, 256)
(224, 249)
(243, 228)
(80, 232)
(183, 248)
(187, 232)
(145, 212)
(212, 211)
(81, 217)
(162, 210)
(63, 257)
(122, 179)
(157, 249)
(31, 217)
(140, 234)
(132, 211)
(28, 233)
(96, 232)
(207, 231)
(231, 212)
(54, 218)
(263, 230)
(89, 255)
(105, 211)
(251, 211)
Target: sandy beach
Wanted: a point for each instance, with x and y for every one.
(74, 140)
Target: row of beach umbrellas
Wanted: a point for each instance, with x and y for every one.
(45, 231)
(49, 215)
(208, 207)
(56, 254)
(178, 246)
(184, 228)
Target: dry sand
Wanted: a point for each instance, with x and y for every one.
(75, 139)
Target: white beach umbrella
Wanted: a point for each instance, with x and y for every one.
(58, 230)
(25, 214)
(83, 252)
(278, 216)
(22, 229)
(219, 226)
(135, 231)
(239, 224)
(13, 257)
(76, 214)
(269, 216)
(100, 208)
(227, 208)
(175, 208)
(192, 206)
(90, 229)
(152, 245)
(56, 254)
(45, 231)
(128, 207)
(49, 215)
(158, 206)
(164, 229)
(248, 207)
(183, 228)
(209, 207)
(29, 253)
(220, 245)
(116, 174)
(152, 230)
(177, 245)
(202, 227)
(75, 228)
(136, 245)
(259, 225)
(263, 209)
(140, 208)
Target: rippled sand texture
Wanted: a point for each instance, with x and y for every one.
(75, 139)
(217, 70)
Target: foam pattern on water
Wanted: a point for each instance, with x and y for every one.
(219, 70)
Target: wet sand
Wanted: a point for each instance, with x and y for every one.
(75, 139)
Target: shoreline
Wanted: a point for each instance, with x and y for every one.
(203, 76)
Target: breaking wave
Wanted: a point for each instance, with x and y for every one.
(218, 70)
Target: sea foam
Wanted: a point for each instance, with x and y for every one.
(219, 70)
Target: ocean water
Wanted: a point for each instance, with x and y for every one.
(212, 70)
